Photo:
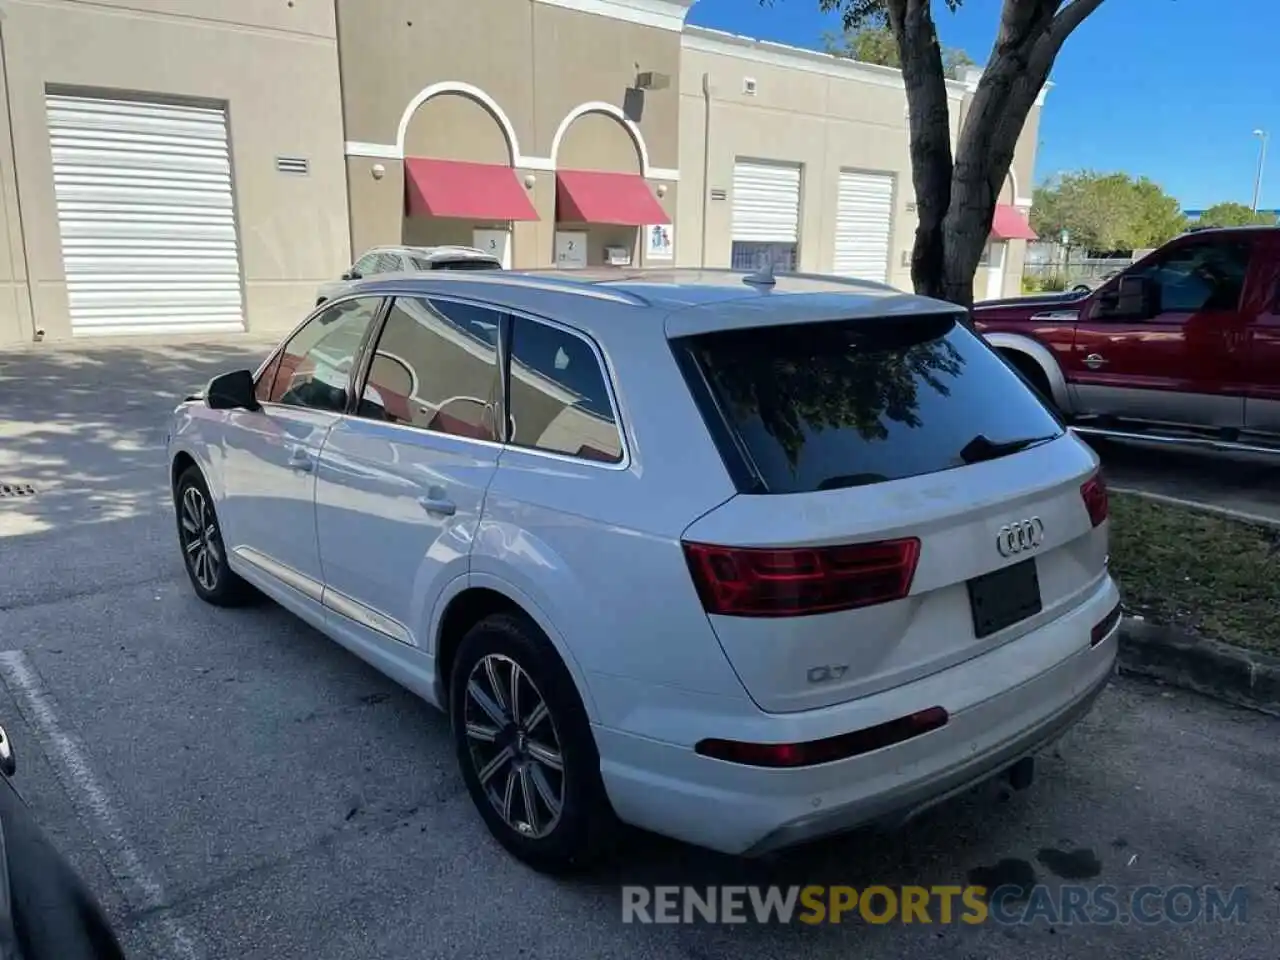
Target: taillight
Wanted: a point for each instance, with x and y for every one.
(828, 750)
(1094, 493)
(1103, 627)
(755, 582)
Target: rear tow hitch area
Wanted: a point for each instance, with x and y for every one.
(1022, 773)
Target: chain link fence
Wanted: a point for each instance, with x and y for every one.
(1052, 267)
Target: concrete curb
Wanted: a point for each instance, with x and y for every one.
(1181, 659)
(1228, 512)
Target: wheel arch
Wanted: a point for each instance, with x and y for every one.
(181, 463)
(471, 598)
(1017, 347)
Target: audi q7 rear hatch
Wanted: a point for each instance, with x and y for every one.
(906, 504)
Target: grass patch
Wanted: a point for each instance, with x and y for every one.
(1208, 574)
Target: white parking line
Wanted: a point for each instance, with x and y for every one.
(92, 803)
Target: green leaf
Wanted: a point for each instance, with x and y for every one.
(1106, 211)
(1233, 215)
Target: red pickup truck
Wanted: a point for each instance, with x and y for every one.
(1182, 347)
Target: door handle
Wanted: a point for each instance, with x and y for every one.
(1095, 360)
(300, 459)
(438, 505)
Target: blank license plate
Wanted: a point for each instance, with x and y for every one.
(1004, 597)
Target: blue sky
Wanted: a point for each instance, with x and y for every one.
(1170, 89)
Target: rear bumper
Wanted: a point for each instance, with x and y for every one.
(1003, 706)
(897, 809)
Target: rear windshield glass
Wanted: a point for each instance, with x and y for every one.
(830, 405)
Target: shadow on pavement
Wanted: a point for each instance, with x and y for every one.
(84, 425)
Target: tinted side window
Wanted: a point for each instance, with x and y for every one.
(1201, 276)
(366, 265)
(435, 367)
(465, 263)
(262, 389)
(316, 363)
(559, 398)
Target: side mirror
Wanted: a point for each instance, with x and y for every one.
(352, 274)
(1132, 298)
(232, 391)
(1137, 297)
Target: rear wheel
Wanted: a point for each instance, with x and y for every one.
(203, 552)
(525, 747)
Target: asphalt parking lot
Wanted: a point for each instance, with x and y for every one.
(234, 785)
(1245, 484)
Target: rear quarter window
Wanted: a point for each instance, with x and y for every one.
(821, 406)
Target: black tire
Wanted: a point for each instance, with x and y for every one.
(203, 554)
(585, 828)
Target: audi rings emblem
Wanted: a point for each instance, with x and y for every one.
(1019, 537)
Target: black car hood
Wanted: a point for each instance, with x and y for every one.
(46, 911)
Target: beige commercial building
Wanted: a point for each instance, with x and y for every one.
(168, 166)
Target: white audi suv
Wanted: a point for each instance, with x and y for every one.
(743, 560)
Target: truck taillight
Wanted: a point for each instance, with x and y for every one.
(756, 582)
(1094, 492)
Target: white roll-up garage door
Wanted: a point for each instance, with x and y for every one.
(864, 221)
(147, 216)
(766, 202)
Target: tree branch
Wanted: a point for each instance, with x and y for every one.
(1030, 36)
(1061, 27)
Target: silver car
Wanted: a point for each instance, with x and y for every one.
(379, 261)
(743, 560)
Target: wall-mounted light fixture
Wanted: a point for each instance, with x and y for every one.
(529, 181)
(378, 171)
(652, 80)
(661, 190)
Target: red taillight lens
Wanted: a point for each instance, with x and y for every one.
(754, 582)
(827, 750)
(1094, 493)
(1105, 626)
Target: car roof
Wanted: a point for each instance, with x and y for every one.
(692, 300)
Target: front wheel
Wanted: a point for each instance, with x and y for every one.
(525, 747)
(203, 551)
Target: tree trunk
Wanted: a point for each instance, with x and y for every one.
(984, 153)
(930, 124)
(956, 199)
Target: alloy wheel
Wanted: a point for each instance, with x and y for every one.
(515, 749)
(200, 542)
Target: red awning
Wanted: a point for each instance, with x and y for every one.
(585, 196)
(1010, 224)
(468, 191)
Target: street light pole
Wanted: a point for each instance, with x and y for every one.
(1262, 160)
